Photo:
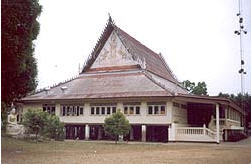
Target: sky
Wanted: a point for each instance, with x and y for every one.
(195, 37)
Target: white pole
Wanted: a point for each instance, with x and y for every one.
(217, 124)
(143, 133)
(87, 132)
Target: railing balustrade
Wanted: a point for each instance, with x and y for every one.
(187, 133)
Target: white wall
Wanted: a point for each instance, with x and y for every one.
(180, 114)
(143, 118)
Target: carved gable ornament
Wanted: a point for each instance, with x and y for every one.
(113, 53)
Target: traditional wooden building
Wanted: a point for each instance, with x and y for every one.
(123, 74)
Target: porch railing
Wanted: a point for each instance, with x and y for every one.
(221, 121)
(202, 134)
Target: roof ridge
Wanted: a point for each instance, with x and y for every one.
(157, 83)
(135, 57)
(167, 67)
(148, 51)
(137, 41)
(99, 44)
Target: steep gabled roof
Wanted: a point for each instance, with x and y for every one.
(150, 77)
(146, 58)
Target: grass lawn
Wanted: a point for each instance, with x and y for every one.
(75, 152)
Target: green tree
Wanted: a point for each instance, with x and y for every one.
(199, 89)
(19, 28)
(54, 128)
(188, 85)
(43, 124)
(35, 122)
(116, 125)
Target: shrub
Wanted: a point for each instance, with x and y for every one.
(54, 128)
(116, 125)
(43, 124)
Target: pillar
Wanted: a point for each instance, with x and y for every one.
(143, 132)
(226, 135)
(131, 134)
(57, 110)
(87, 132)
(204, 129)
(172, 132)
(169, 110)
(76, 132)
(226, 116)
(217, 124)
(99, 133)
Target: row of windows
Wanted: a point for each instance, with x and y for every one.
(71, 110)
(157, 109)
(76, 110)
(131, 110)
(103, 110)
(49, 108)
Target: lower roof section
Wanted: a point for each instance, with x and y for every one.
(111, 85)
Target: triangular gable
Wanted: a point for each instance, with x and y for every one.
(116, 48)
(113, 54)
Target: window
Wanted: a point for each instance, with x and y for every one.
(49, 108)
(156, 109)
(113, 109)
(126, 110)
(64, 110)
(97, 110)
(137, 110)
(92, 110)
(81, 111)
(176, 104)
(70, 110)
(77, 110)
(131, 109)
(150, 110)
(73, 111)
(108, 110)
(162, 110)
(103, 110)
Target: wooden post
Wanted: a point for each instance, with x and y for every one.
(217, 124)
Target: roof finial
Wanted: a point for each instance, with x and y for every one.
(110, 19)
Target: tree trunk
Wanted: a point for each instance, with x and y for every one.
(36, 136)
(116, 139)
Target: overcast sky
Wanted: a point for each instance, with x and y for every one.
(196, 37)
